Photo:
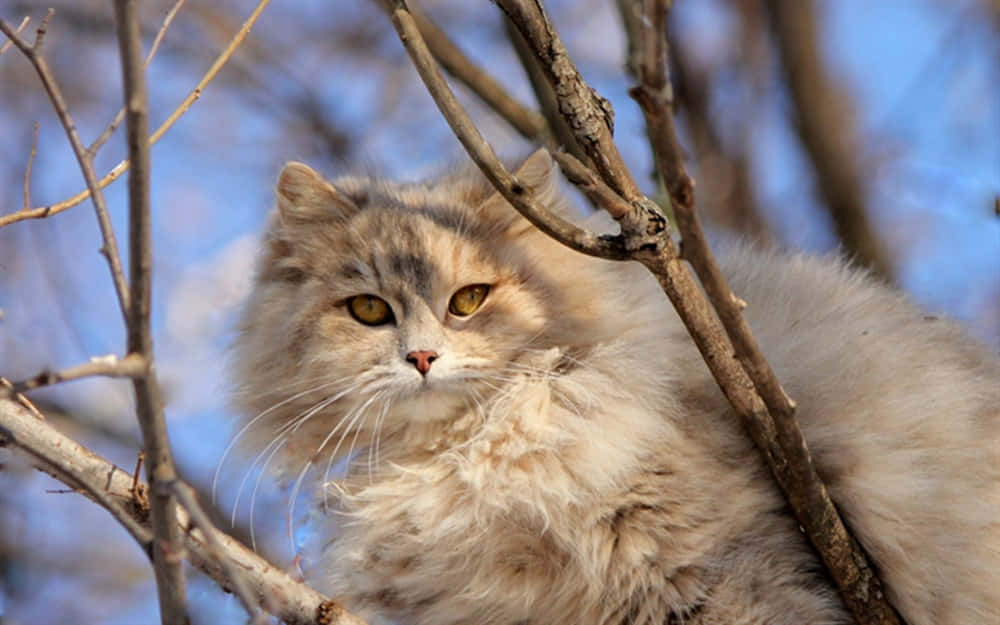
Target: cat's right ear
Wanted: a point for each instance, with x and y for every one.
(304, 196)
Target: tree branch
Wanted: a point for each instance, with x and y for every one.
(35, 55)
(483, 155)
(76, 466)
(123, 166)
(167, 561)
(795, 472)
(120, 116)
(131, 366)
(826, 129)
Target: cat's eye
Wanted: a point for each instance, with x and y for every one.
(468, 299)
(369, 309)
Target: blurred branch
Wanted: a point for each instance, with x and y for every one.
(123, 166)
(826, 129)
(35, 55)
(17, 31)
(167, 562)
(530, 124)
(131, 366)
(796, 474)
(31, 162)
(737, 209)
(76, 466)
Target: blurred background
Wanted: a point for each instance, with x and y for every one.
(872, 126)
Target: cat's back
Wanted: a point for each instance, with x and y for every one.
(902, 414)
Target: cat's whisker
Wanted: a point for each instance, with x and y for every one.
(256, 486)
(243, 430)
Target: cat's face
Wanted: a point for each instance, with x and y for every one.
(378, 306)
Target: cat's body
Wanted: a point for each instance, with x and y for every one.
(561, 454)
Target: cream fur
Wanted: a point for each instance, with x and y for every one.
(569, 458)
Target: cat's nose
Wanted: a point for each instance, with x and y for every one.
(422, 360)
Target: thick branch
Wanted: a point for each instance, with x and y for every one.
(788, 454)
(167, 562)
(481, 152)
(587, 113)
(826, 129)
(76, 466)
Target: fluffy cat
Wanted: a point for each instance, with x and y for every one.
(536, 439)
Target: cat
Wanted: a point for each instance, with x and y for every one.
(531, 436)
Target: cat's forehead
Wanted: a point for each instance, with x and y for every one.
(401, 248)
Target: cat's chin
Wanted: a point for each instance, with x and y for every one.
(432, 402)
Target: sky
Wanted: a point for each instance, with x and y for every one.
(927, 94)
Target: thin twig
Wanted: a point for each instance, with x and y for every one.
(20, 27)
(109, 249)
(844, 558)
(167, 546)
(131, 366)
(31, 162)
(76, 466)
(120, 116)
(123, 166)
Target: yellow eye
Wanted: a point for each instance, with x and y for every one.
(468, 299)
(369, 310)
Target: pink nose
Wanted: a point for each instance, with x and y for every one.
(422, 360)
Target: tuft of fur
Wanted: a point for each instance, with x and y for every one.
(568, 457)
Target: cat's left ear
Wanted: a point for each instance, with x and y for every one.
(540, 175)
(304, 196)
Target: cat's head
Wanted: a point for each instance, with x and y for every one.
(379, 304)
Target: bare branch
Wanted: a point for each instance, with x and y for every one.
(588, 114)
(796, 474)
(17, 31)
(160, 467)
(119, 169)
(826, 129)
(76, 466)
(546, 96)
(131, 366)
(110, 247)
(529, 123)
(120, 116)
(481, 152)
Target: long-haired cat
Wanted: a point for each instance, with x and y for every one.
(533, 438)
